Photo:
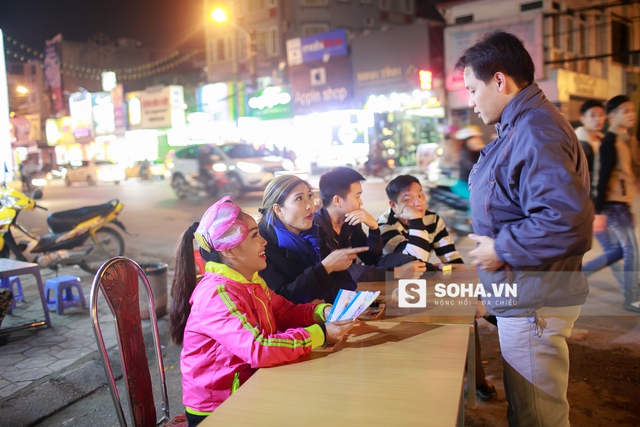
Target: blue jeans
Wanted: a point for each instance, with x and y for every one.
(619, 241)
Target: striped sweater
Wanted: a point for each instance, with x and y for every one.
(421, 238)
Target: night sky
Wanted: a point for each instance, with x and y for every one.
(161, 25)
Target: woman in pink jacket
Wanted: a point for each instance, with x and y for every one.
(230, 323)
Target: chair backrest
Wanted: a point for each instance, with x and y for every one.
(117, 279)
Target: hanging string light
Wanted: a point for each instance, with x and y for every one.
(163, 64)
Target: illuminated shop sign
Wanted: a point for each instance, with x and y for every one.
(317, 47)
(80, 109)
(58, 131)
(162, 106)
(134, 109)
(317, 88)
(104, 121)
(425, 79)
(415, 101)
(271, 103)
(222, 101)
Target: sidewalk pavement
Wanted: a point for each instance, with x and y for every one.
(45, 369)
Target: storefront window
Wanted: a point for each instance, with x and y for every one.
(401, 132)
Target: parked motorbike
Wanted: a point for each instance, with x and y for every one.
(78, 236)
(453, 209)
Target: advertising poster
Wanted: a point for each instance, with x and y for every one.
(119, 109)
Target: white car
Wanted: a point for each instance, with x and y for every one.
(251, 168)
(94, 171)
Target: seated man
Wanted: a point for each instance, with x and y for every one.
(340, 221)
(408, 227)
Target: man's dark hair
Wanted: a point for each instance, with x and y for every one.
(337, 182)
(398, 184)
(615, 102)
(499, 52)
(589, 104)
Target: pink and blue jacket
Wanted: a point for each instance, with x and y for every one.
(234, 328)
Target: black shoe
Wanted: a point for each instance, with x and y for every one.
(486, 391)
(631, 306)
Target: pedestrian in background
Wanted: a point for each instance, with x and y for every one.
(614, 224)
(532, 222)
(472, 143)
(589, 134)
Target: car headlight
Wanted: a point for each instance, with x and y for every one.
(249, 167)
(219, 167)
(288, 165)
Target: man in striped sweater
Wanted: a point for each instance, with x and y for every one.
(408, 227)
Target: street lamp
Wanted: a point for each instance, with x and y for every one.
(220, 16)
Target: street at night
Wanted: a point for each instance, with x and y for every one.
(346, 212)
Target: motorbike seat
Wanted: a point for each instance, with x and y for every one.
(444, 195)
(60, 222)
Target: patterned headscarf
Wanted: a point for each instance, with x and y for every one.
(220, 229)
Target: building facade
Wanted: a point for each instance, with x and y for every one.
(270, 23)
(580, 49)
(358, 71)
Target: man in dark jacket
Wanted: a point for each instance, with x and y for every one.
(340, 221)
(342, 216)
(532, 222)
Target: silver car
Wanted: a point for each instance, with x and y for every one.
(250, 167)
(94, 171)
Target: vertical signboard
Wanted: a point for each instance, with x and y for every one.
(80, 111)
(217, 100)
(103, 115)
(162, 107)
(52, 75)
(155, 108)
(119, 109)
(5, 135)
(134, 110)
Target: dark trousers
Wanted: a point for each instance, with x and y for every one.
(194, 420)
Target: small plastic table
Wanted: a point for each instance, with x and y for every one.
(8, 268)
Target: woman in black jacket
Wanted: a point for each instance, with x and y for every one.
(298, 267)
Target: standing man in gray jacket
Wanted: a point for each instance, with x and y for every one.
(532, 224)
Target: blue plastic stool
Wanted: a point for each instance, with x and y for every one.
(64, 299)
(18, 295)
